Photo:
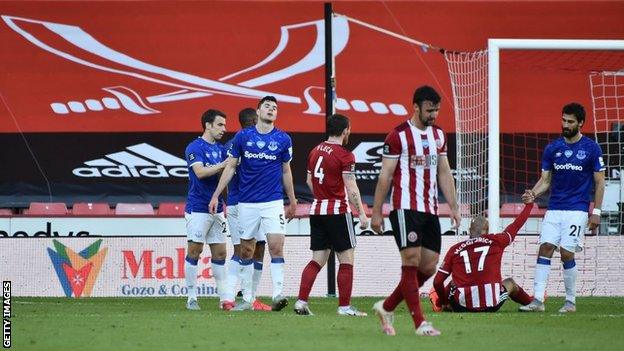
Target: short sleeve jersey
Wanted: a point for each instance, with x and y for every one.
(199, 151)
(572, 167)
(327, 162)
(261, 158)
(414, 183)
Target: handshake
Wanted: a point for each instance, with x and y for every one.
(528, 197)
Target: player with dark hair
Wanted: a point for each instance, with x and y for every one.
(247, 117)
(205, 158)
(475, 269)
(264, 174)
(330, 174)
(572, 166)
(414, 160)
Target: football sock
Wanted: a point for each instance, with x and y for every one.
(277, 275)
(422, 278)
(190, 275)
(308, 276)
(570, 272)
(345, 284)
(219, 274)
(233, 271)
(521, 297)
(246, 278)
(257, 274)
(409, 287)
(542, 269)
(394, 299)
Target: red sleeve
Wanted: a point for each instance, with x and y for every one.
(348, 163)
(443, 272)
(392, 145)
(440, 137)
(509, 234)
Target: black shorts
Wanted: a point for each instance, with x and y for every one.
(459, 308)
(413, 229)
(335, 232)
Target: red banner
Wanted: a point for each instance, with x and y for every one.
(156, 66)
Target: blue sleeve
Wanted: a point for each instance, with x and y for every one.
(547, 161)
(598, 161)
(288, 151)
(194, 155)
(237, 146)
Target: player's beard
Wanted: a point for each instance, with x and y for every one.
(569, 132)
(427, 122)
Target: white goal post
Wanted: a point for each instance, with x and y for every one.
(494, 47)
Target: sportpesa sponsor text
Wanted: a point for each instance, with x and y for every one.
(567, 167)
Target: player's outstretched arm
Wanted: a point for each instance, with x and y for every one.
(353, 192)
(447, 184)
(515, 226)
(599, 185)
(224, 180)
(542, 185)
(388, 165)
(438, 286)
(287, 180)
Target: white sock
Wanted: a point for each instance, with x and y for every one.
(246, 279)
(569, 280)
(218, 272)
(257, 274)
(277, 275)
(190, 275)
(233, 272)
(542, 269)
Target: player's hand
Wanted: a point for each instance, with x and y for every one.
(528, 196)
(291, 209)
(363, 221)
(594, 221)
(377, 223)
(455, 219)
(213, 205)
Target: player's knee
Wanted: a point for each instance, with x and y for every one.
(345, 256)
(566, 255)
(547, 249)
(510, 285)
(276, 249)
(259, 252)
(428, 269)
(237, 250)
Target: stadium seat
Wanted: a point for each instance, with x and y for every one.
(91, 209)
(6, 212)
(126, 209)
(47, 209)
(514, 209)
(171, 208)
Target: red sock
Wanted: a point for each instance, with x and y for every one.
(409, 286)
(422, 278)
(521, 297)
(345, 284)
(394, 299)
(307, 279)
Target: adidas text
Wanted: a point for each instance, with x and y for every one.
(122, 171)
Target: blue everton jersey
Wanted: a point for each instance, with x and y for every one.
(260, 169)
(201, 190)
(572, 167)
(232, 198)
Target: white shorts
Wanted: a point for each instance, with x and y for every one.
(564, 229)
(206, 228)
(256, 220)
(233, 222)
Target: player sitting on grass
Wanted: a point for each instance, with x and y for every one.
(475, 266)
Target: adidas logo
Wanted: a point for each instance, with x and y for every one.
(140, 160)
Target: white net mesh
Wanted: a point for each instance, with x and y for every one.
(521, 152)
(607, 89)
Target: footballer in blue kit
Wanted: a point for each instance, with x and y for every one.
(572, 166)
(205, 158)
(264, 175)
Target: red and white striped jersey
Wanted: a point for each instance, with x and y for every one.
(479, 297)
(326, 164)
(414, 184)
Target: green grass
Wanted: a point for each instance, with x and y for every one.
(164, 324)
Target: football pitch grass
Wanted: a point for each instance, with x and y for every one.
(165, 324)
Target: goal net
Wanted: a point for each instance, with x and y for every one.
(501, 138)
